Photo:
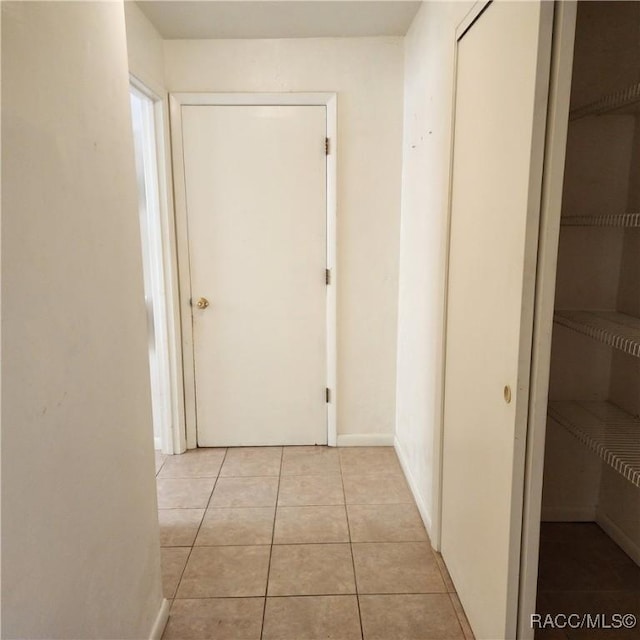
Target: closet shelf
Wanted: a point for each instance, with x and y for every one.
(617, 330)
(624, 101)
(606, 429)
(605, 220)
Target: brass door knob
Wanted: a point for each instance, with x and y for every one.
(507, 394)
(203, 303)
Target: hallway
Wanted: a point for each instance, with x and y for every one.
(331, 536)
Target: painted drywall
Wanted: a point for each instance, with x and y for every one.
(428, 103)
(367, 74)
(80, 540)
(145, 49)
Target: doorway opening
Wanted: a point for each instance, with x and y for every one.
(589, 560)
(143, 118)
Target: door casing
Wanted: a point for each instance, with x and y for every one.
(176, 102)
(564, 27)
(174, 438)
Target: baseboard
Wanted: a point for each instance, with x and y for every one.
(365, 440)
(629, 546)
(568, 514)
(413, 485)
(161, 620)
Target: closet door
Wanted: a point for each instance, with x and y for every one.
(502, 76)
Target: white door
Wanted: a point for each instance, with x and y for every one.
(501, 95)
(255, 180)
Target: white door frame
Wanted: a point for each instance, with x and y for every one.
(564, 26)
(173, 441)
(176, 102)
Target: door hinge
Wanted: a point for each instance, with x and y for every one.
(327, 395)
(327, 276)
(326, 146)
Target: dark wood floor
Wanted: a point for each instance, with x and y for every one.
(582, 571)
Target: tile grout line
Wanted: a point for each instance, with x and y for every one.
(318, 595)
(273, 533)
(310, 544)
(353, 562)
(159, 469)
(199, 527)
(287, 506)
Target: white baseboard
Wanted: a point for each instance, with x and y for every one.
(568, 514)
(629, 546)
(365, 440)
(161, 620)
(413, 485)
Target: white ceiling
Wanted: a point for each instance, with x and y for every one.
(189, 19)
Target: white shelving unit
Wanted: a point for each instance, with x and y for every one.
(606, 429)
(625, 220)
(615, 329)
(626, 100)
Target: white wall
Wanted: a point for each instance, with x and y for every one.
(428, 86)
(80, 541)
(367, 73)
(145, 49)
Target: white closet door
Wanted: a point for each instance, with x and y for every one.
(501, 95)
(256, 206)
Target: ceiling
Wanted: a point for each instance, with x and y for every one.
(193, 19)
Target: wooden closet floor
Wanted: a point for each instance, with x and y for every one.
(582, 571)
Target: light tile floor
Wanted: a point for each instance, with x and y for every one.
(299, 543)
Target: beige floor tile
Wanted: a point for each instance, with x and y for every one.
(160, 458)
(298, 491)
(215, 619)
(397, 567)
(377, 489)
(310, 524)
(311, 569)
(243, 526)
(410, 617)
(445, 574)
(313, 618)
(183, 493)
(245, 492)
(214, 572)
(178, 527)
(304, 461)
(252, 461)
(361, 461)
(462, 617)
(196, 463)
(173, 561)
(385, 523)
